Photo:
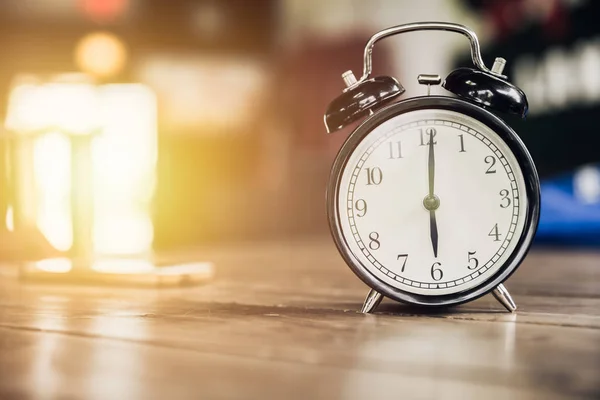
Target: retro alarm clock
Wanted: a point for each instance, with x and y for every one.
(432, 200)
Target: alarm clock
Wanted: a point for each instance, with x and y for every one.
(432, 200)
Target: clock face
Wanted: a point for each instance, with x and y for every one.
(432, 202)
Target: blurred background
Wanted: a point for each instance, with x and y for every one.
(132, 126)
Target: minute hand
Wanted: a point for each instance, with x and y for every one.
(432, 199)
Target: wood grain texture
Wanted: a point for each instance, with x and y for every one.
(280, 321)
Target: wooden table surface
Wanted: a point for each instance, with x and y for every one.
(280, 321)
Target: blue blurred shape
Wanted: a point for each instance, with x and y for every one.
(570, 213)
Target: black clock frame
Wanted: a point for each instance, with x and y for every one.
(532, 188)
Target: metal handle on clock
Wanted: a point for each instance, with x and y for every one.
(422, 26)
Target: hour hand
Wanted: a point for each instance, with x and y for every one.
(434, 232)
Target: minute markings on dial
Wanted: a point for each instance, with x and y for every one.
(501, 163)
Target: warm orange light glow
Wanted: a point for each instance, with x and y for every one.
(101, 54)
(104, 10)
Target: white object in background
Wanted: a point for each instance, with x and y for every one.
(586, 184)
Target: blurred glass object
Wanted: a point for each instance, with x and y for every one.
(124, 169)
(83, 163)
(68, 104)
(217, 60)
(52, 180)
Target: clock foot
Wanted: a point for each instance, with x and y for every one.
(371, 302)
(502, 295)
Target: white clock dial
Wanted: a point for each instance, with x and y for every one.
(482, 202)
